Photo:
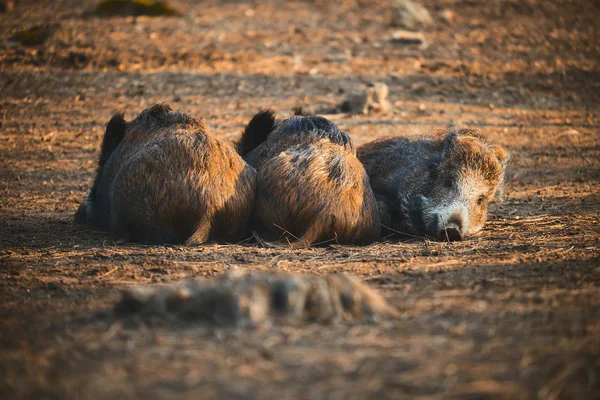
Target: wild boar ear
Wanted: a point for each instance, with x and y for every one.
(114, 134)
(456, 134)
(449, 143)
(256, 132)
(503, 156)
(501, 153)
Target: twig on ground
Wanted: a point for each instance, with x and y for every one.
(109, 272)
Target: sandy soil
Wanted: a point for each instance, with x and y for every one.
(512, 313)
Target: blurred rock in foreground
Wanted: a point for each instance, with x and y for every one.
(247, 299)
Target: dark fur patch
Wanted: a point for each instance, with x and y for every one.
(162, 115)
(316, 127)
(256, 132)
(115, 132)
(337, 170)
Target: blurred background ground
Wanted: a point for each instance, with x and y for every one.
(511, 313)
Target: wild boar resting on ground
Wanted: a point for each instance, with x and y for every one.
(311, 188)
(437, 185)
(162, 179)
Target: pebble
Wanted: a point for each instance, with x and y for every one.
(446, 15)
(410, 16)
(371, 99)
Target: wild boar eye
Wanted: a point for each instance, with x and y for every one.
(480, 200)
(448, 183)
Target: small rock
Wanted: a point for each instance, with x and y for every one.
(249, 299)
(356, 102)
(377, 98)
(446, 15)
(410, 16)
(372, 99)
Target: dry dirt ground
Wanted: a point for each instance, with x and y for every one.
(512, 313)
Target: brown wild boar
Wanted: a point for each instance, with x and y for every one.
(248, 299)
(438, 185)
(311, 188)
(162, 179)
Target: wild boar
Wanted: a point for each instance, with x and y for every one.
(438, 185)
(162, 178)
(311, 188)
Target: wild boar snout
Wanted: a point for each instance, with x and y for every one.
(451, 230)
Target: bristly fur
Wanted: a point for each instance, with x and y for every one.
(163, 179)
(256, 132)
(162, 115)
(311, 188)
(419, 181)
(315, 127)
(115, 131)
